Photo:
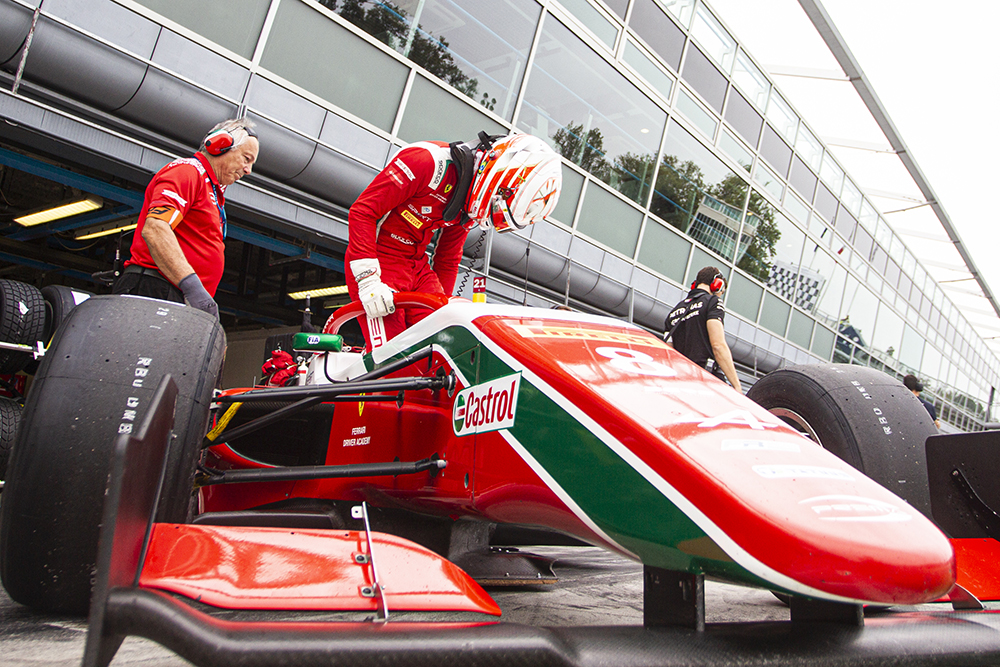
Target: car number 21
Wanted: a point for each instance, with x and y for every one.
(632, 361)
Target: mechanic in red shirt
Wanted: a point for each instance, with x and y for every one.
(504, 182)
(178, 251)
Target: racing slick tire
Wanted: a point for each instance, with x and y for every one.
(94, 383)
(862, 415)
(22, 321)
(59, 300)
(10, 417)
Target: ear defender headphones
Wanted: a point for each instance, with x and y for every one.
(715, 286)
(222, 141)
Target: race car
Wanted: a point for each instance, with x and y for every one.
(479, 415)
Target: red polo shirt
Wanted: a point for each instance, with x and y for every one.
(190, 186)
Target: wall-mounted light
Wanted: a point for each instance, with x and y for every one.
(63, 210)
(318, 292)
(106, 229)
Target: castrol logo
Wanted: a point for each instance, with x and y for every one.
(490, 406)
(854, 509)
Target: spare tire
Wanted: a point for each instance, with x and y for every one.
(59, 300)
(95, 382)
(22, 321)
(10, 417)
(865, 417)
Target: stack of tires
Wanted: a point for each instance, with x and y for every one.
(28, 316)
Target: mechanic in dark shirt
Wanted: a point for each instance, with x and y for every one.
(695, 325)
(913, 384)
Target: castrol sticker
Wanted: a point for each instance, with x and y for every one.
(485, 407)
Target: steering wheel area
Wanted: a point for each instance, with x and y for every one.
(355, 309)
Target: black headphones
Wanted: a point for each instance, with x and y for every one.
(222, 141)
(716, 284)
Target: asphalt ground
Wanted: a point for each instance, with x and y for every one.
(595, 588)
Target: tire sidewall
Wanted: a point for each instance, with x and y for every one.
(94, 383)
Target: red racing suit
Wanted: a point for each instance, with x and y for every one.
(394, 220)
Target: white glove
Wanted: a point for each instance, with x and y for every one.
(375, 295)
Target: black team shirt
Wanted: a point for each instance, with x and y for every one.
(689, 322)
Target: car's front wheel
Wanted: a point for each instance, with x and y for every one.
(95, 382)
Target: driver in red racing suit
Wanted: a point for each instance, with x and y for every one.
(507, 182)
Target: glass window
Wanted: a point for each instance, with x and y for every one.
(888, 334)
(658, 31)
(572, 186)
(234, 24)
(750, 80)
(797, 209)
(617, 6)
(809, 148)
(594, 116)
(868, 217)
(822, 345)
(607, 219)
(775, 313)
(882, 233)
(479, 48)
(695, 113)
(896, 248)
(800, 329)
(909, 262)
(826, 203)
(714, 39)
(596, 22)
(773, 252)
(858, 312)
(845, 224)
(782, 117)
(682, 9)
(768, 180)
(823, 292)
(697, 193)
(863, 243)
(802, 179)
(851, 197)
(301, 45)
(732, 147)
(744, 119)
(832, 174)
(777, 153)
(644, 66)
(744, 296)
(434, 113)
(705, 77)
(664, 251)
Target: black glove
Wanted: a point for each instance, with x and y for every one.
(196, 295)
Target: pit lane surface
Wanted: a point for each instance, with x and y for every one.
(595, 588)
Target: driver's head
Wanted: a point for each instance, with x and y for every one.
(517, 183)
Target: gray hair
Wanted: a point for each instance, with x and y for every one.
(240, 128)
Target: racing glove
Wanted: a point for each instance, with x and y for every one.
(196, 295)
(375, 295)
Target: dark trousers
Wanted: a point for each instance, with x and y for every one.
(140, 281)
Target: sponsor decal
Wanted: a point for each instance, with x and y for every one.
(312, 340)
(359, 438)
(403, 168)
(401, 239)
(856, 509)
(759, 446)
(738, 418)
(448, 188)
(812, 472)
(412, 219)
(177, 198)
(490, 406)
(425, 210)
(575, 333)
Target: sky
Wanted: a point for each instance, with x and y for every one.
(932, 66)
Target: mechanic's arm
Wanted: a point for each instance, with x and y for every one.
(163, 246)
(720, 350)
(158, 233)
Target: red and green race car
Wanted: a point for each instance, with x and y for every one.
(376, 481)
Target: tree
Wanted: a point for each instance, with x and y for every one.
(389, 24)
(586, 151)
(678, 191)
(760, 252)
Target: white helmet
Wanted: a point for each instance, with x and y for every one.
(517, 183)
